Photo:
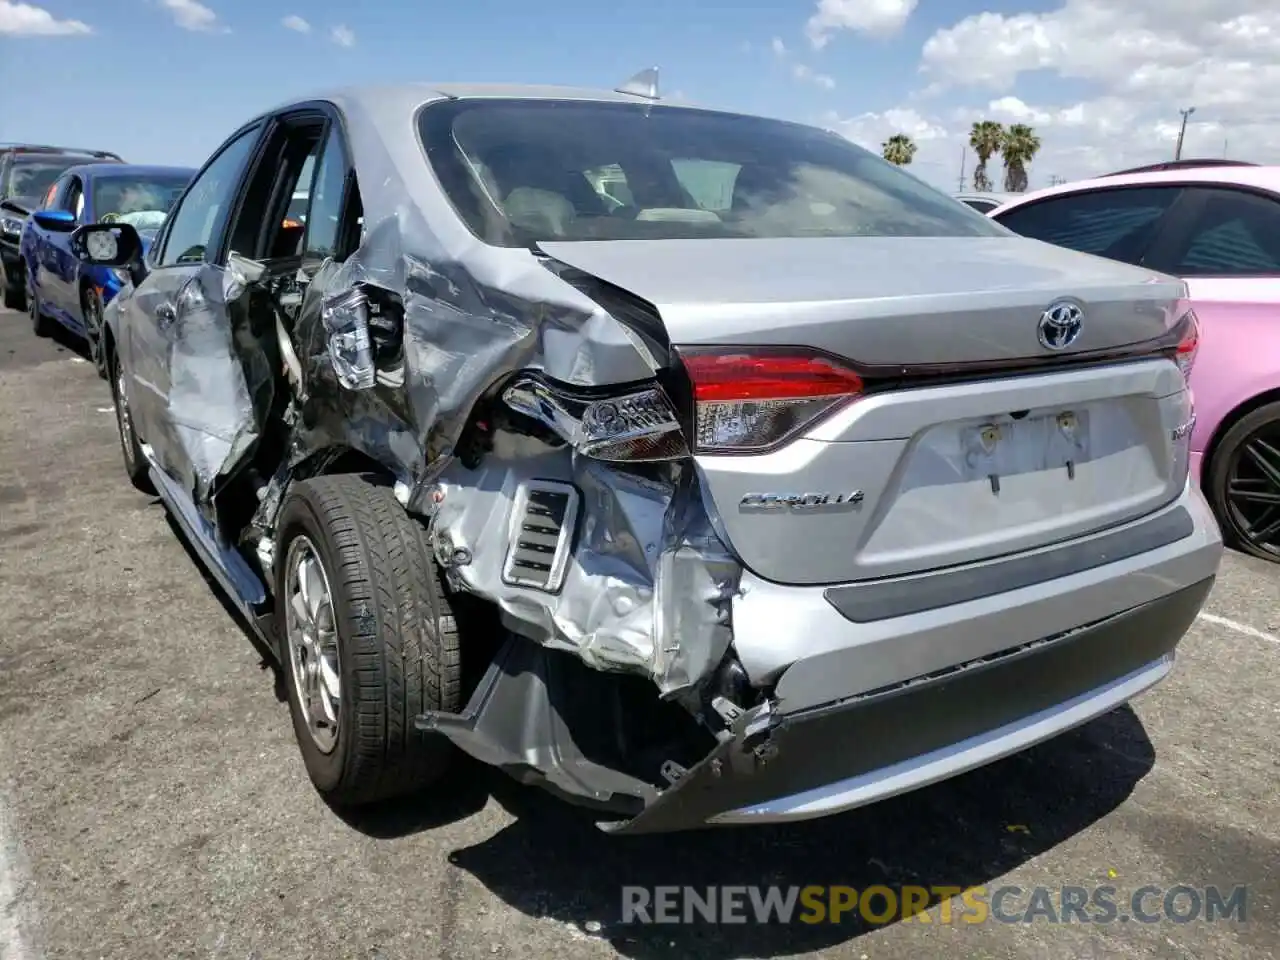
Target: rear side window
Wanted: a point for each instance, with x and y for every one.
(524, 171)
(1235, 234)
(1119, 224)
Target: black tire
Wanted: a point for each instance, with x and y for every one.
(397, 639)
(15, 298)
(135, 464)
(91, 311)
(41, 325)
(1232, 462)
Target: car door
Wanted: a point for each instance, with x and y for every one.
(40, 252)
(63, 294)
(1225, 243)
(172, 314)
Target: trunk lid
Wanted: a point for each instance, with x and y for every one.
(881, 301)
(946, 472)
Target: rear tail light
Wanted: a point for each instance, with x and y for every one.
(1189, 345)
(748, 401)
(638, 426)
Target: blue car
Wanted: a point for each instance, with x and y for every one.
(61, 288)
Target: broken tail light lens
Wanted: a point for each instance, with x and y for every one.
(748, 401)
(639, 425)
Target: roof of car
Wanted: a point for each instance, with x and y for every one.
(100, 171)
(1267, 178)
(417, 93)
(19, 149)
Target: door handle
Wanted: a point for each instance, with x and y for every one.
(166, 314)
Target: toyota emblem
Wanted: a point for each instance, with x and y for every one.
(1060, 325)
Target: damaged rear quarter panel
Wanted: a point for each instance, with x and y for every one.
(647, 589)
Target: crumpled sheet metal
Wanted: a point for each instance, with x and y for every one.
(648, 585)
(462, 335)
(647, 589)
(220, 380)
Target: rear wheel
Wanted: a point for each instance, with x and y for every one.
(135, 464)
(1244, 483)
(40, 324)
(15, 298)
(369, 640)
(91, 310)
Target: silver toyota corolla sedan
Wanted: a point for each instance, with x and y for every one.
(698, 467)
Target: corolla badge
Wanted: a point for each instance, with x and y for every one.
(1060, 325)
(801, 501)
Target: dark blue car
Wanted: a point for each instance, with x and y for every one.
(61, 288)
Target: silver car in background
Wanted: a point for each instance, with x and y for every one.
(698, 467)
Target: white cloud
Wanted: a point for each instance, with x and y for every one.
(875, 18)
(24, 20)
(807, 75)
(1126, 68)
(192, 15)
(295, 22)
(800, 71)
(343, 36)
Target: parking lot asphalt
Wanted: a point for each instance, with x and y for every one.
(153, 804)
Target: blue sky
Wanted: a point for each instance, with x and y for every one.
(163, 81)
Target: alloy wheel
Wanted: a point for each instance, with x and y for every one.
(313, 642)
(1253, 488)
(93, 331)
(124, 419)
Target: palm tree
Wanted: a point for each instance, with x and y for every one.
(986, 138)
(1019, 148)
(899, 149)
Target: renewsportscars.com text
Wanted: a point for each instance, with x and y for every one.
(1101, 904)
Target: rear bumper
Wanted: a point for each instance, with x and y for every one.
(820, 644)
(819, 760)
(874, 693)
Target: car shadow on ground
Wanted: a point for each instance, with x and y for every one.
(553, 862)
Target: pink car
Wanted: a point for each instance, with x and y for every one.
(1217, 227)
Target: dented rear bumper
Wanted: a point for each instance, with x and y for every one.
(822, 759)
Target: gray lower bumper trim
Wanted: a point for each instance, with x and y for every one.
(902, 596)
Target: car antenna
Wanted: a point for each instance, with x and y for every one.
(643, 84)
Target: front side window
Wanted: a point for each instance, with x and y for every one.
(52, 194)
(1119, 223)
(140, 201)
(194, 223)
(73, 200)
(522, 171)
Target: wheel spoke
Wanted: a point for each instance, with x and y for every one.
(1254, 496)
(312, 586)
(1265, 534)
(302, 616)
(1267, 459)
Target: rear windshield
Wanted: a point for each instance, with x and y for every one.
(523, 171)
(33, 176)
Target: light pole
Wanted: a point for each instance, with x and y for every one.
(1177, 152)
